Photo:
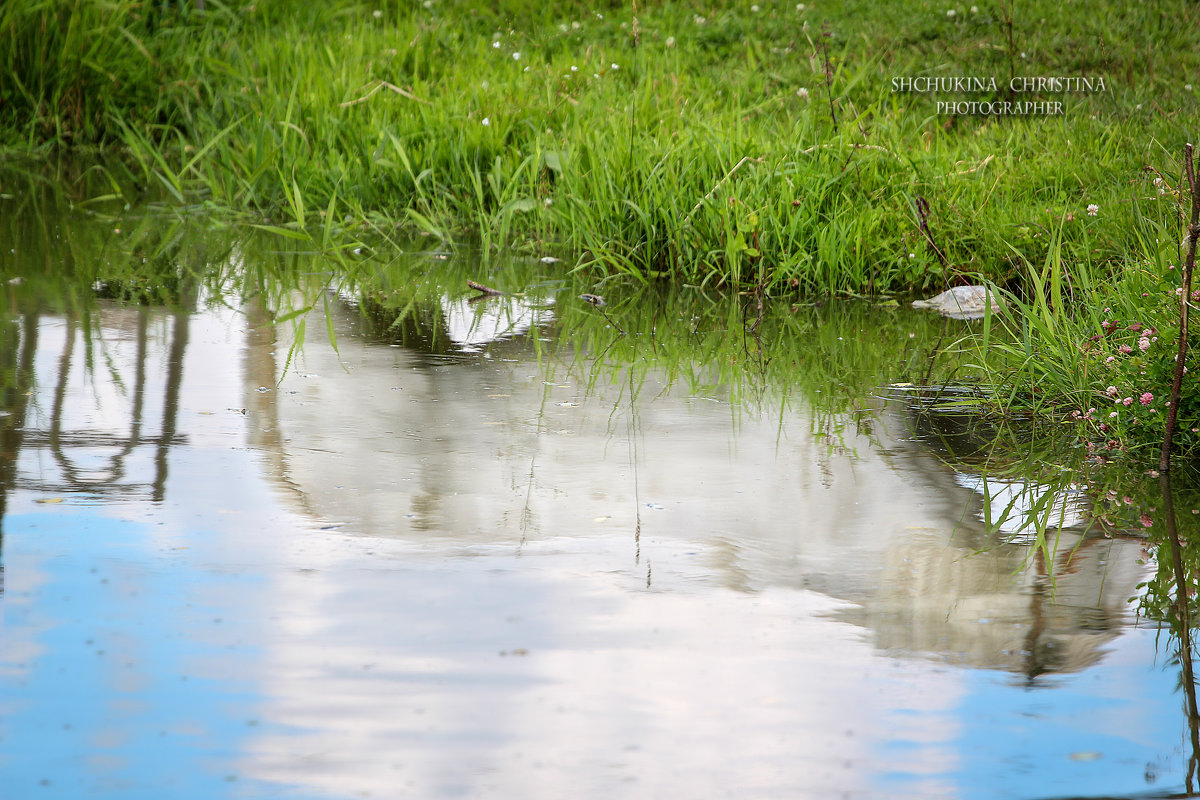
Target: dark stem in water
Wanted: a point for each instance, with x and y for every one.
(1193, 232)
(1183, 614)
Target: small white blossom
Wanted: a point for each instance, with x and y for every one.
(616, 66)
(800, 6)
(516, 56)
(495, 45)
(754, 9)
(377, 13)
(486, 122)
(950, 13)
(802, 93)
(670, 41)
(1093, 209)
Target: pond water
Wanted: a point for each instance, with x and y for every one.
(469, 554)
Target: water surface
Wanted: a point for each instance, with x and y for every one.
(473, 552)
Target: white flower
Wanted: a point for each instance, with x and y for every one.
(1187, 87)
(802, 93)
(974, 9)
(950, 13)
(574, 68)
(377, 13)
(699, 20)
(495, 45)
(670, 41)
(516, 56)
(754, 9)
(486, 122)
(1093, 209)
(800, 6)
(616, 66)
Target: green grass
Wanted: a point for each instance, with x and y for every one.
(693, 159)
(716, 147)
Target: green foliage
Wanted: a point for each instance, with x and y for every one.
(504, 125)
(1102, 352)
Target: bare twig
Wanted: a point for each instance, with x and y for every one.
(597, 302)
(973, 169)
(718, 185)
(923, 218)
(855, 145)
(479, 287)
(1164, 460)
(383, 85)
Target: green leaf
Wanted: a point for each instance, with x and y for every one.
(521, 204)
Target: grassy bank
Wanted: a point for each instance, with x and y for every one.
(769, 146)
(710, 143)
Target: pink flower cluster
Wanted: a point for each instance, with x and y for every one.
(1145, 399)
(1147, 335)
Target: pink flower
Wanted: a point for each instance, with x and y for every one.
(1146, 520)
(1143, 344)
(1112, 391)
(1125, 349)
(1146, 398)
(1128, 401)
